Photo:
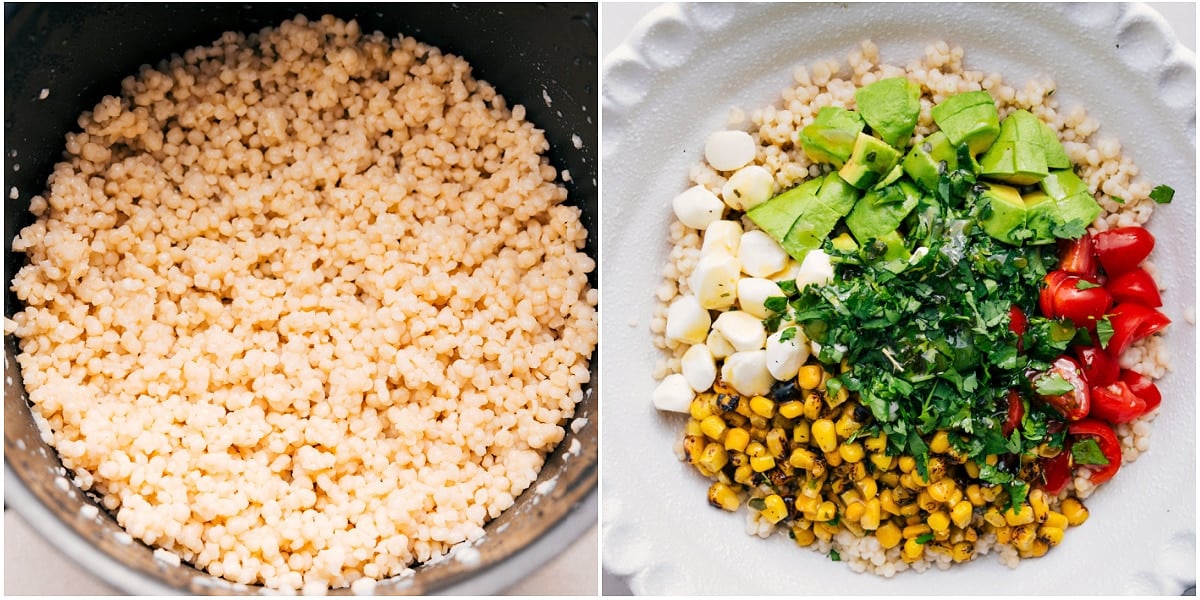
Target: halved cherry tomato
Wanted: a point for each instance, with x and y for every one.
(1073, 405)
(1135, 285)
(1116, 404)
(1099, 366)
(1144, 388)
(1017, 324)
(1123, 248)
(1016, 412)
(1078, 256)
(1074, 298)
(1056, 471)
(1106, 439)
(1131, 322)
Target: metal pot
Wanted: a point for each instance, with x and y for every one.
(79, 53)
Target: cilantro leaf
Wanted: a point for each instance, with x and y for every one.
(1073, 229)
(1084, 284)
(1087, 452)
(1104, 331)
(1162, 194)
(834, 555)
(1052, 384)
(1118, 199)
(924, 538)
(787, 334)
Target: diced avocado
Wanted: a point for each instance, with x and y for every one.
(890, 106)
(970, 118)
(1063, 183)
(1056, 155)
(844, 243)
(871, 159)
(896, 256)
(1004, 218)
(837, 196)
(1078, 207)
(881, 211)
(1013, 161)
(1041, 217)
(923, 162)
(776, 215)
(802, 238)
(830, 137)
(894, 175)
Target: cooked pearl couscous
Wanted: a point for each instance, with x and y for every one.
(305, 307)
(770, 434)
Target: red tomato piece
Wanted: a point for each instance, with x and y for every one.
(1056, 471)
(1078, 256)
(1135, 285)
(1016, 412)
(1106, 439)
(1116, 404)
(1123, 248)
(1131, 322)
(1143, 387)
(1074, 298)
(1099, 366)
(1075, 404)
(1017, 324)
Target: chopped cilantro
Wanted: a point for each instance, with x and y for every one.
(924, 538)
(787, 334)
(1052, 384)
(834, 555)
(1104, 331)
(1087, 452)
(1084, 284)
(1118, 199)
(1162, 194)
(756, 503)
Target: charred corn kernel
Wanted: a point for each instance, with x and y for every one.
(882, 462)
(819, 467)
(960, 515)
(722, 496)
(756, 449)
(823, 435)
(801, 434)
(744, 475)
(833, 459)
(713, 458)
(803, 537)
(812, 406)
(824, 531)
(910, 510)
(888, 535)
(825, 512)
(1075, 512)
(871, 515)
(736, 439)
(856, 471)
(972, 469)
(909, 482)
(876, 443)
(867, 487)
(912, 550)
(974, 495)
(918, 530)
(1023, 537)
(791, 409)
(938, 521)
(762, 464)
(1041, 508)
(1023, 515)
(809, 377)
(936, 468)
(1056, 519)
(852, 452)
(989, 493)
(762, 406)
(700, 407)
(758, 424)
(713, 426)
(693, 446)
(807, 504)
(774, 509)
(1004, 534)
(926, 502)
(889, 478)
(1039, 549)
(845, 426)
(907, 464)
(777, 442)
(992, 459)
(888, 502)
(743, 407)
(970, 535)
(955, 497)
(940, 442)
(693, 428)
(1050, 535)
(836, 400)
(802, 458)
(994, 518)
(855, 511)
(941, 490)
(962, 552)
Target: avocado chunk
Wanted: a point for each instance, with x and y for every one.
(890, 106)
(776, 215)
(837, 196)
(1059, 184)
(881, 211)
(896, 255)
(1078, 207)
(801, 218)
(1004, 216)
(1052, 148)
(1022, 153)
(830, 137)
(870, 161)
(970, 118)
(1075, 202)
(1041, 217)
(844, 243)
(924, 160)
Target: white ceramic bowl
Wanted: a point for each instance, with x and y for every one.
(673, 82)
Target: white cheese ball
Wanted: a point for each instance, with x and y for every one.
(742, 330)
(714, 280)
(722, 236)
(699, 367)
(687, 320)
(729, 150)
(747, 373)
(748, 187)
(753, 293)
(673, 394)
(761, 256)
(718, 345)
(784, 358)
(816, 269)
(697, 207)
